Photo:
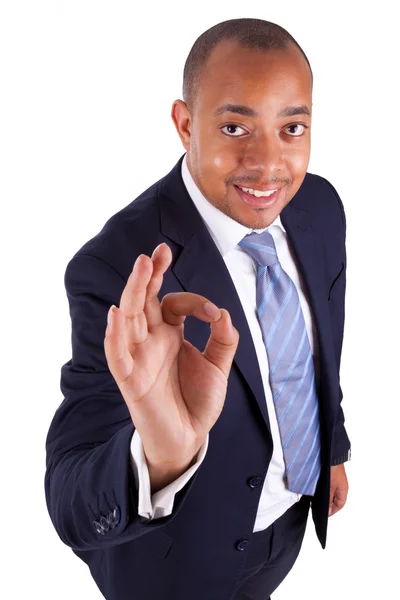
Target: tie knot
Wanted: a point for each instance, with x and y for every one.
(261, 247)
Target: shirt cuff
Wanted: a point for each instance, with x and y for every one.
(160, 504)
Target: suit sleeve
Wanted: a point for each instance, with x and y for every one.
(341, 446)
(90, 487)
(341, 451)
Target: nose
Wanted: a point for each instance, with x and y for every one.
(264, 155)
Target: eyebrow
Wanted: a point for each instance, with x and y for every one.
(246, 111)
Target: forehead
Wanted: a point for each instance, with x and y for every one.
(239, 75)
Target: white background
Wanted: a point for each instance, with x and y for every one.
(86, 92)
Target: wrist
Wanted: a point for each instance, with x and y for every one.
(163, 475)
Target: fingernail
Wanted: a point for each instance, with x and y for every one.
(155, 250)
(109, 314)
(330, 512)
(228, 316)
(212, 311)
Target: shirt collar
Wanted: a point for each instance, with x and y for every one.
(226, 232)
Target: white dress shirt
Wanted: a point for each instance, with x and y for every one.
(227, 233)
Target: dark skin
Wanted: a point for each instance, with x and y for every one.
(144, 344)
(252, 150)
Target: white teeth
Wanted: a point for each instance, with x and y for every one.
(257, 193)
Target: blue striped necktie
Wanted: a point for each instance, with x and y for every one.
(291, 368)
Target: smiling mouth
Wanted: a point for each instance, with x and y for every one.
(258, 193)
(258, 198)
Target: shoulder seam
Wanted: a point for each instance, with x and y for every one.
(339, 201)
(99, 260)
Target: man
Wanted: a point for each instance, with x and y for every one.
(202, 421)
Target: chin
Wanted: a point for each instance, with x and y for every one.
(261, 221)
(257, 218)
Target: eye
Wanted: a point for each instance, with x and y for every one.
(232, 127)
(297, 125)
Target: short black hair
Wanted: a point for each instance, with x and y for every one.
(248, 33)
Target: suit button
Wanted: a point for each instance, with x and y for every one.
(110, 519)
(255, 482)
(104, 524)
(114, 517)
(98, 528)
(242, 545)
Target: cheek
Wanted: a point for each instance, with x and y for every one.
(218, 166)
(222, 164)
(218, 162)
(217, 153)
(299, 160)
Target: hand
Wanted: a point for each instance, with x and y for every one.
(174, 392)
(339, 489)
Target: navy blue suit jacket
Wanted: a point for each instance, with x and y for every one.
(89, 484)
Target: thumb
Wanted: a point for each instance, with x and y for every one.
(222, 343)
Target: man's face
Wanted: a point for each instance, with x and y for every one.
(249, 143)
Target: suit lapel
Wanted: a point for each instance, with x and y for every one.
(200, 268)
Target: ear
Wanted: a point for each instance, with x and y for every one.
(181, 117)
